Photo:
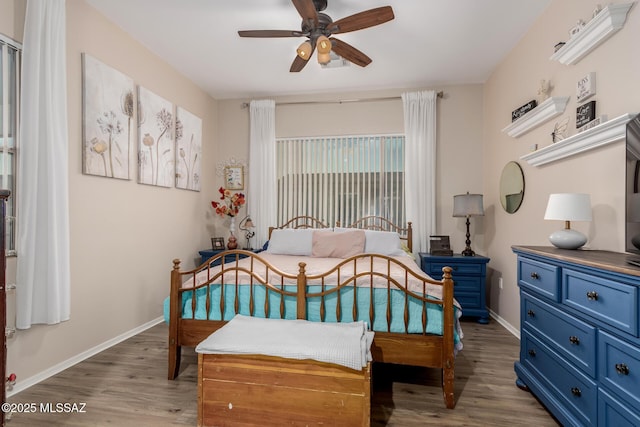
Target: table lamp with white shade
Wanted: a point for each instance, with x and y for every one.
(568, 207)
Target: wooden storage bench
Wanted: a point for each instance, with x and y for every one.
(257, 390)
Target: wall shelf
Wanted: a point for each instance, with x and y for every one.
(605, 24)
(547, 110)
(605, 133)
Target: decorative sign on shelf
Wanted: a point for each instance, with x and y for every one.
(593, 123)
(521, 111)
(586, 87)
(585, 113)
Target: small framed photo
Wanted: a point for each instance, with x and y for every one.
(234, 178)
(217, 243)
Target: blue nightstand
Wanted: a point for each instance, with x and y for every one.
(205, 254)
(469, 277)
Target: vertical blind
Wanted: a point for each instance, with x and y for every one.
(9, 117)
(341, 179)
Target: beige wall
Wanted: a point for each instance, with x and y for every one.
(459, 145)
(124, 235)
(599, 172)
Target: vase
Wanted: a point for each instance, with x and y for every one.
(233, 242)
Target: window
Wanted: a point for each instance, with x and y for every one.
(10, 60)
(341, 178)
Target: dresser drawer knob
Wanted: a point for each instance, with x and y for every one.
(576, 391)
(574, 340)
(532, 353)
(622, 369)
(592, 296)
(531, 313)
(534, 275)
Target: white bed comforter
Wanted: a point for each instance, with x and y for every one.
(315, 266)
(346, 344)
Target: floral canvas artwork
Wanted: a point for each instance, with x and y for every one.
(188, 150)
(156, 162)
(107, 119)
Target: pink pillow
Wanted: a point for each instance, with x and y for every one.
(327, 244)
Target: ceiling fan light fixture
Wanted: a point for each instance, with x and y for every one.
(324, 58)
(304, 50)
(323, 44)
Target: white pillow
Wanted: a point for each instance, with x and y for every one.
(291, 241)
(380, 242)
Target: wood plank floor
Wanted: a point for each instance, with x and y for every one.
(126, 385)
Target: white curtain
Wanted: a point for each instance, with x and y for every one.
(420, 165)
(42, 282)
(262, 194)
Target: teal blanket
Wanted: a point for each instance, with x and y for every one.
(379, 324)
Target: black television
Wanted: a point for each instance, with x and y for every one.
(632, 194)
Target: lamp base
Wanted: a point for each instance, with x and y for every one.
(468, 252)
(567, 239)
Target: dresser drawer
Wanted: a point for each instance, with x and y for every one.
(539, 277)
(610, 302)
(619, 367)
(573, 338)
(613, 412)
(574, 389)
(459, 269)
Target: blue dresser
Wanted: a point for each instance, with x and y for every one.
(469, 276)
(579, 344)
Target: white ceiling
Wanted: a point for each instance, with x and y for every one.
(429, 43)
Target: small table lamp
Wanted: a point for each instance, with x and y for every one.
(568, 207)
(247, 226)
(466, 205)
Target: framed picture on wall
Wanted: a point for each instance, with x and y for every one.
(234, 178)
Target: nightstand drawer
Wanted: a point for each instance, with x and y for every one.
(539, 277)
(573, 338)
(468, 301)
(610, 302)
(576, 390)
(459, 269)
(619, 367)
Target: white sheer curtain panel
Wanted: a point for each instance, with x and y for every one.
(420, 165)
(262, 194)
(43, 276)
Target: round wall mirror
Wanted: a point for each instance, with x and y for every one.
(511, 187)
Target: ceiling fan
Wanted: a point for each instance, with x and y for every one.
(319, 27)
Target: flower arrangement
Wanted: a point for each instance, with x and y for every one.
(230, 204)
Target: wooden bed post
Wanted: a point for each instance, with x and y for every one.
(301, 299)
(410, 236)
(448, 359)
(175, 352)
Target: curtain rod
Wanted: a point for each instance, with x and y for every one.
(340, 101)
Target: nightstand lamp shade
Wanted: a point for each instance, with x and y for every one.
(466, 205)
(568, 207)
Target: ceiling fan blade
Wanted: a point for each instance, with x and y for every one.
(349, 52)
(270, 33)
(307, 10)
(359, 21)
(298, 63)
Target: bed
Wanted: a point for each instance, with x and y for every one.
(415, 318)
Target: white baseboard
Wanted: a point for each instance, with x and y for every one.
(508, 326)
(25, 384)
